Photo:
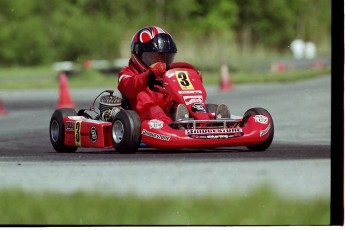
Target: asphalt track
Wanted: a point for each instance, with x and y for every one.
(297, 163)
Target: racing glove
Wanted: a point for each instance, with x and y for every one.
(157, 70)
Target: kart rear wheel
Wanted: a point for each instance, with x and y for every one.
(57, 130)
(267, 143)
(125, 131)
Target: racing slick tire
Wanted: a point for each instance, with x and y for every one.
(211, 108)
(125, 131)
(57, 130)
(267, 143)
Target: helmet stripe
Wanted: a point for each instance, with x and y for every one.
(145, 36)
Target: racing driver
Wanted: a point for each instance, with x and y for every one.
(152, 50)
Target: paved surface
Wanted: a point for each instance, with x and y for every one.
(297, 164)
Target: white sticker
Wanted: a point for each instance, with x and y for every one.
(261, 119)
(155, 135)
(155, 124)
(193, 99)
(265, 131)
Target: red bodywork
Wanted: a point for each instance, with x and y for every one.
(203, 131)
(83, 132)
(168, 138)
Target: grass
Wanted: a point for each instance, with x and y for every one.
(262, 77)
(261, 207)
(45, 77)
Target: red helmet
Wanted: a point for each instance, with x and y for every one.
(152, 44)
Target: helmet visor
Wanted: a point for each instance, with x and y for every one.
(164, 43)
(150, 58)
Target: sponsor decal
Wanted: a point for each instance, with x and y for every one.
(265, 131)
(189, 92)
(171, 75)
(183, 80)
(261, 119)
(155, 135)
(69, 126)
(193, 99)
(226, 136)
(155, 124)
(97, 121)
(77, 135)
(81, 118)
(76, 118)
(213, 131)
(93, 134)
(198, 108)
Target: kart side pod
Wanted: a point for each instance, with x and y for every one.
(68, 131)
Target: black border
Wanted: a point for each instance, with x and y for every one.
(337, 115)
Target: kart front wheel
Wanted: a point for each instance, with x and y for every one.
(57, 130)
(267, 143)
(125, 131)
(211, 108)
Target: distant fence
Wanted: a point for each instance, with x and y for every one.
(103, 66)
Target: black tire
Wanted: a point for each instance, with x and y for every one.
(57, 130)
(125, 131)
(211, 108)
(267, 143)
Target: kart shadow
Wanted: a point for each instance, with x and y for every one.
(187, 151)
(276, 151)
(148, 151)
(151, 154)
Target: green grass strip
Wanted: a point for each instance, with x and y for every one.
(264, 77)
(44, 77)
(260, 207)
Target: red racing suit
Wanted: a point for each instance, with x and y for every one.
(132, 84)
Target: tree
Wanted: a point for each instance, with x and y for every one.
(275, 24)
(40, 31)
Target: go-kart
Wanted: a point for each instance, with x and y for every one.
(114, 125)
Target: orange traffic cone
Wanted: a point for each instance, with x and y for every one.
(278, 67)
(2, 110)
(225, 81)
(319, 64)
(65, 100)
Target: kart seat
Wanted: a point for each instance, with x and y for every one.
(125, 103)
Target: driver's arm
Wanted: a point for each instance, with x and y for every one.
(131, 84)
